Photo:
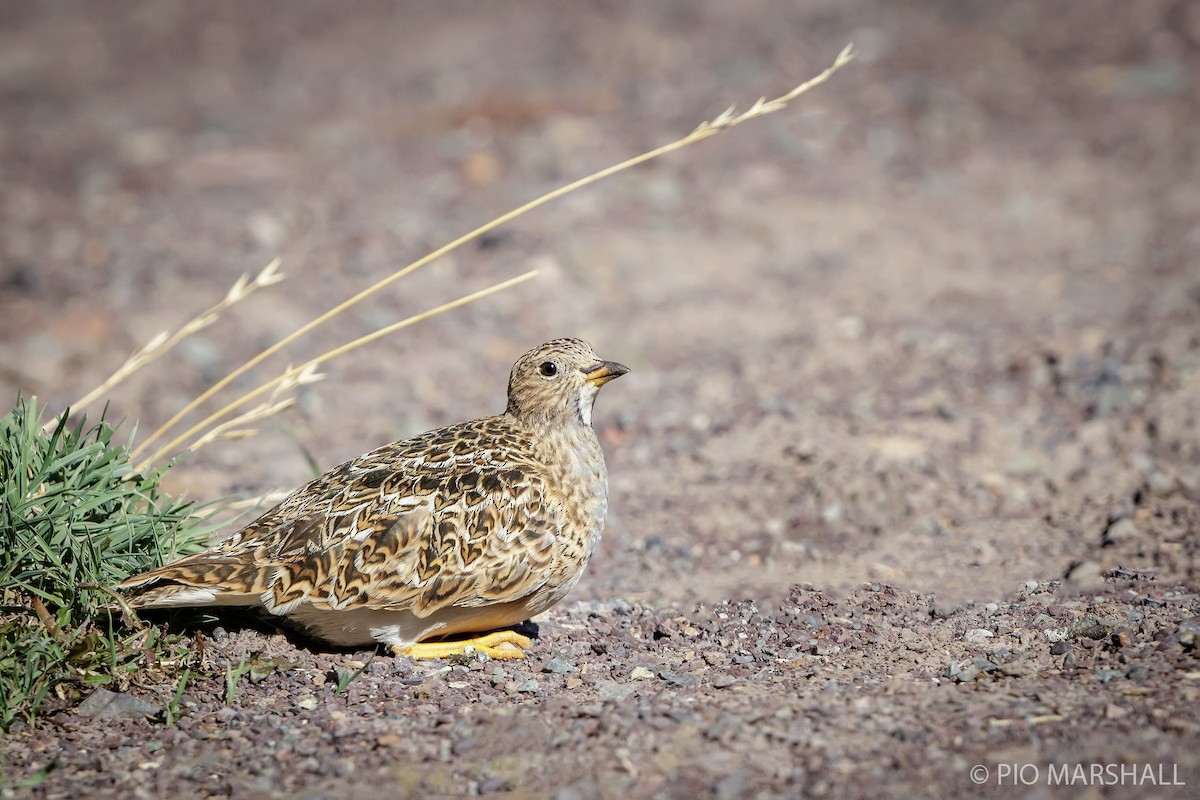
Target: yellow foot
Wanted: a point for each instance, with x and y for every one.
(499, 644)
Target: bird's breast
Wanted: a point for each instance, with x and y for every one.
(581, 480)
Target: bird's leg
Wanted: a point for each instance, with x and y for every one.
(498, 644)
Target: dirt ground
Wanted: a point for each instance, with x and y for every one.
(904, 486)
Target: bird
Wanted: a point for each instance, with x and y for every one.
(463, 531)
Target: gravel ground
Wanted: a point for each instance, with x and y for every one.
(929, 341)
(882, 688)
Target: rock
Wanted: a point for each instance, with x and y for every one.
(1119, 530)
(640, 674)
(1122, 637)
(559, 666)
(1087, 576)
(103, 704)
(962, 671)
(528, 687)
(680, 678)
(978, 635)
(611, 690)
(1114, 711)
(1187, 634)
(1014, 669)
(984, 664)
(311, 764)
(1160, 483)
(731, 786)
(898, 447)
(495, 785)
(308, 702)
(944, 610)
(1091, 628)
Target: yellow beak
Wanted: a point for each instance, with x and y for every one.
(605, 371)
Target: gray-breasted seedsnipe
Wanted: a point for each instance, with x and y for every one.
(462, 530)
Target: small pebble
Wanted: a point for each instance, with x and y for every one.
(983, 664)
(461, 747)
(944, 610)
(682, 679)
(978, 635)
(731, 786)
(1188, 634)
(963, 671)
(105, 704)
(559, 666)
(494, 785)
(611, 690)
(1121, 530)
(1114, 711)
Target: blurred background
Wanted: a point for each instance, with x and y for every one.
(934, 325)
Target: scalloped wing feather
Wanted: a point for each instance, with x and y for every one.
(420, 525)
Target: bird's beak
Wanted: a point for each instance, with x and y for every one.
(605, 371)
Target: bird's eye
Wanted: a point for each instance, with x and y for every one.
(548, 369)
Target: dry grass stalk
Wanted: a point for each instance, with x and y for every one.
(214, 419)
(264, 500)
(706, 129)
(292, 378)
(763, 106)
(45, 617)
(164, 341)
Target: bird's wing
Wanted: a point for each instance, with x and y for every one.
(490, 543)
(409, 526)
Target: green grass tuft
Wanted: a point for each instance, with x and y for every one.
(75, 520)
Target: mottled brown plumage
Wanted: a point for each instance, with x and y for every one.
(464, 529)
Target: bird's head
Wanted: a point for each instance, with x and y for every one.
(557, 382)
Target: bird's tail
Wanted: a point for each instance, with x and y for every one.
(201, 580)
